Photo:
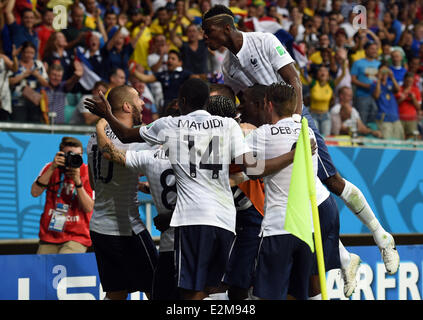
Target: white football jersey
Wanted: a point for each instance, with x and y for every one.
(270, 141)
(258, 61)
(201, 147)
(155, 165)
(116, 194)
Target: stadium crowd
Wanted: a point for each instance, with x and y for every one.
(364, 79)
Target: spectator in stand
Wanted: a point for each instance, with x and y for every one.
(44, 31)
(409, 103)
(21, 33)
(346, 119)
(55, 52)
(92, 18)
(149, 110)
(162, 25)
(413, 67)
(361, 39)
(25, 85)
(64, 225)
(157, 62)
(140, 23)
(397, 66)
(322, 98)
(387, 118)
(348, 25)
(58, 88)
(339, 67)
(363, 73)
(181, 14)
(110, 23)
(171, 79)
(76, 32)
(116, 78)
(6, 64)
(93, 54)
(194, 52)
(406, 43)
(116, 53)
(81, 115)
(417, 38)
(386, 29)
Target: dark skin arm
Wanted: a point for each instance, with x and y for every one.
(290, 75)
(103, 109)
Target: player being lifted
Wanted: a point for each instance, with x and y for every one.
(259, 58)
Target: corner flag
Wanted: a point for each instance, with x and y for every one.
(302, 191)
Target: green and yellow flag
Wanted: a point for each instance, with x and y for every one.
(302, 194)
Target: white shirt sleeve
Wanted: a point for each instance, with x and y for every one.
(278, 55)
(156, 132)
(137, 160)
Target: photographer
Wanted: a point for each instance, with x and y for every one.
(64, 224)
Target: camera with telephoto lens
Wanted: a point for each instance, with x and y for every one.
(73, 160)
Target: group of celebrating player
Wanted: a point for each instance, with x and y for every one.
(216, 242)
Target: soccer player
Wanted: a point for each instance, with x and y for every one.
(249, 201)
(253, 111)
(201, 147)
(255, 57)
(125, 252)
(284, 262)
(154, 164)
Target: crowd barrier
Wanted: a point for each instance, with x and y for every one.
(75, 277)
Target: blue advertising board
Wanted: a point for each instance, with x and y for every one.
(75, 277)
(391, 180)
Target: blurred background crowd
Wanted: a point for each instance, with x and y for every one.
(361, 70)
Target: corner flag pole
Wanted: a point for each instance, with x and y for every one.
(315, 211)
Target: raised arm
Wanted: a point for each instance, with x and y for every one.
(8, 11)
(110, 152)
(103, 109)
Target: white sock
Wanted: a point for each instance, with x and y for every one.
(357, 203)
(218, 296)
(316, 297)
(344, 255)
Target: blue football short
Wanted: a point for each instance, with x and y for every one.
(284, 265)
(202, 254)
(242, 260)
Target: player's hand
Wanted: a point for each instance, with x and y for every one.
(99, 107)
(162, 221)
(144, 187)
(101, 124)
(59, 160)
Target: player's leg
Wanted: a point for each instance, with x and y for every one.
(108, 254)
(225, 241)
(354, 200)
(240, 271)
